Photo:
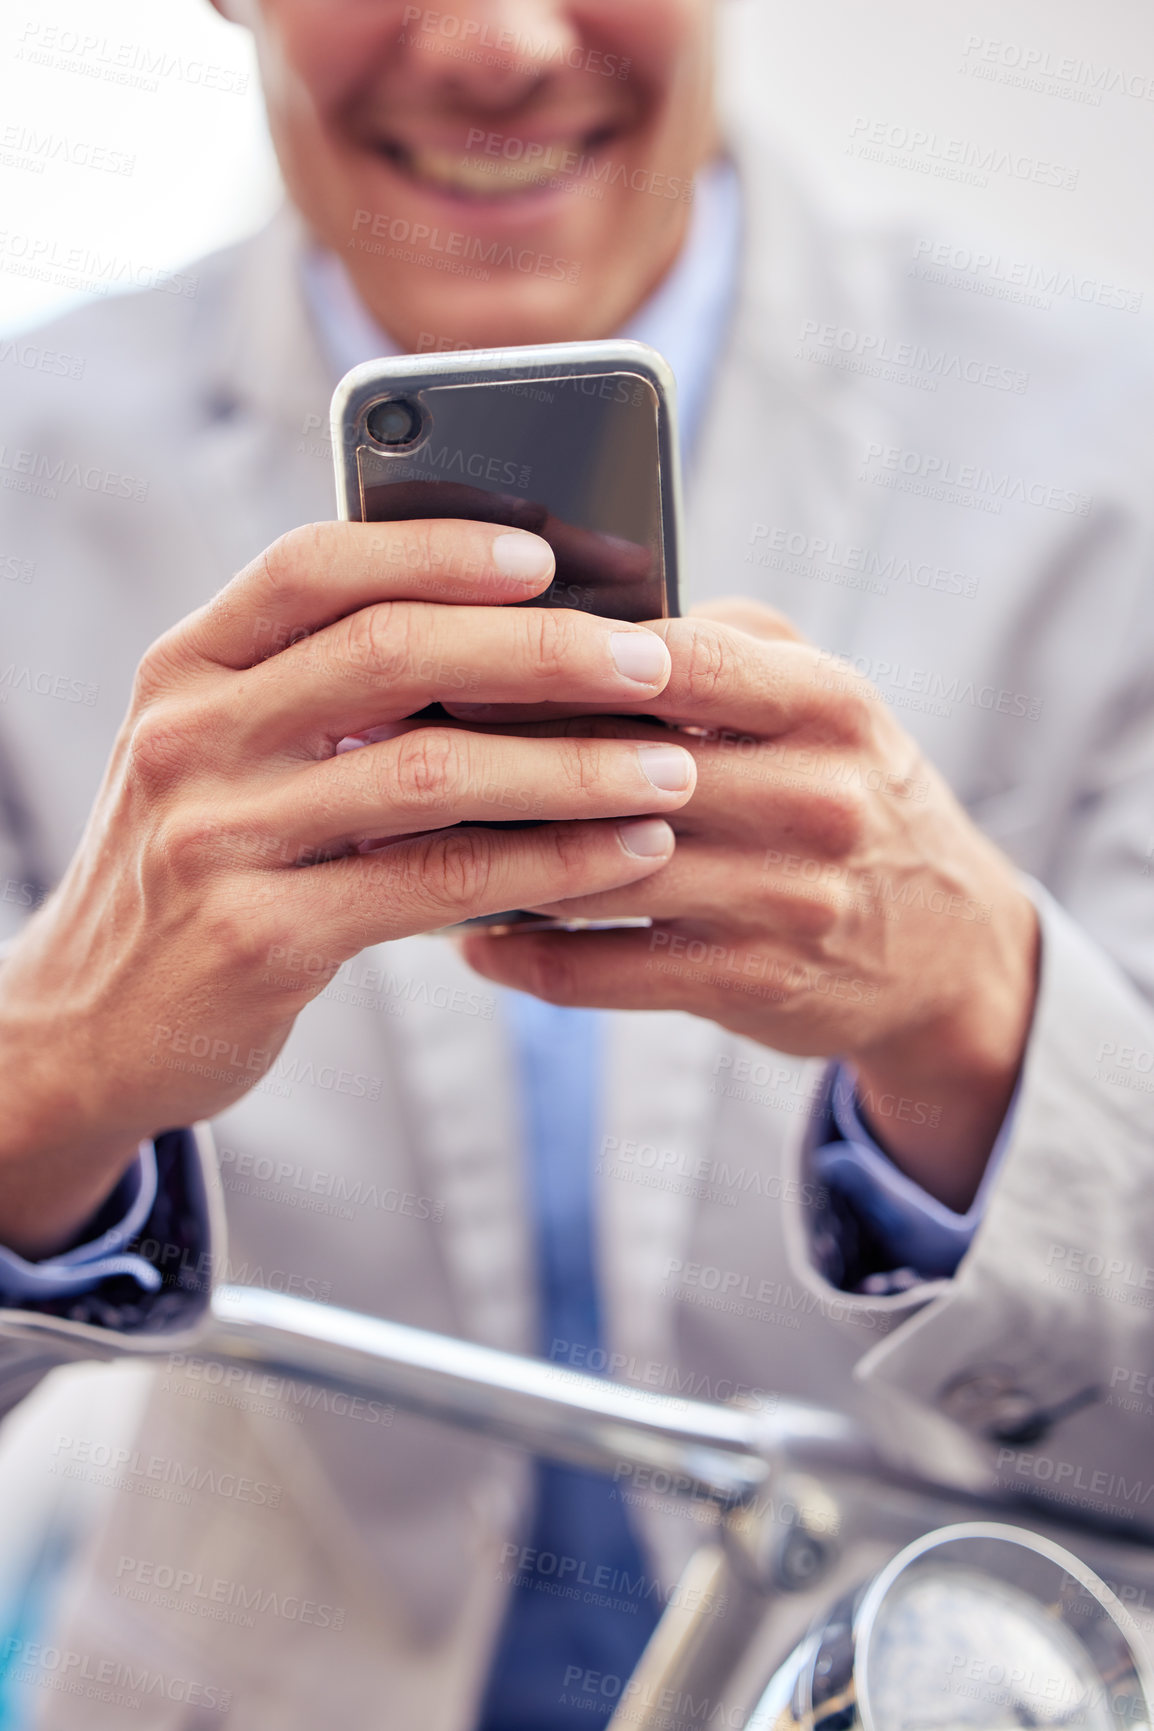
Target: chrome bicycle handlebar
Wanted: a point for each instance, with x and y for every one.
(803, 1505)
(720, 1452)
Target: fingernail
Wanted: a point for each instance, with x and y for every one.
(667, 766)
(648, 838)
(641, 656)
(523, 556)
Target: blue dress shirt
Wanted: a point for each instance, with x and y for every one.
(100, 1258)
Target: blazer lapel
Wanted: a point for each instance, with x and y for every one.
(260, 460)
(457, 1064)
(779, 457)
(656, 1124)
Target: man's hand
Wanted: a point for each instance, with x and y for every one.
(222, 879)
(828, 896)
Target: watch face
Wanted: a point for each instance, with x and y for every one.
(954, 1647)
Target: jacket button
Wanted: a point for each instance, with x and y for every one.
(989, 1403)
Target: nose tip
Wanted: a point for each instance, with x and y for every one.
(494, 49)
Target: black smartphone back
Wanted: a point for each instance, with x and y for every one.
(574, 441)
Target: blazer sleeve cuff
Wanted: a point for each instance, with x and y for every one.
(175, 1231)
(1026, 1333)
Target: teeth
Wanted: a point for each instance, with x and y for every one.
(490, 176)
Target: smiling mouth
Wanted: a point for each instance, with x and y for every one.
(537, 167)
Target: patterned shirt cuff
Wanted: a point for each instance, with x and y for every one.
(885, 1233)
(84, 1267)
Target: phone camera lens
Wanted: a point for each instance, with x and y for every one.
(394, 423)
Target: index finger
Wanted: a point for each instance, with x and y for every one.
(724, 677)
(721, 677)
(318, 574)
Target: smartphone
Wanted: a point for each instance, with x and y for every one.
(576, 442)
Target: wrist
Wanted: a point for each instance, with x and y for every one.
(935, 1094)
(58, 1161)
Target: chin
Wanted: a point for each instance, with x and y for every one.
(459, 314)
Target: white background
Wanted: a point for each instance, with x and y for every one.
(202, 171)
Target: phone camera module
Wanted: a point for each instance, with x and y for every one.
(394, 424)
